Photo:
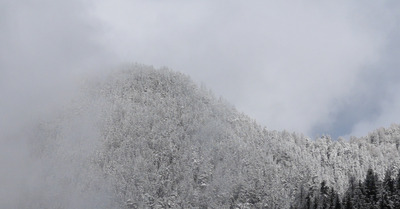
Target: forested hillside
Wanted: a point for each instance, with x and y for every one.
(157, 139)
(371, 192)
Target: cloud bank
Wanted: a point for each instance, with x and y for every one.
(307, 66)
(46, 47)
(302, 66)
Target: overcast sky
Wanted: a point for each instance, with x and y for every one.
(308, 66)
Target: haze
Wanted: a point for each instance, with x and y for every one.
(306, 66)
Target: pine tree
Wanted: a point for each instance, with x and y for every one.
(349, 194)
(389, 183)
(337, 204)
(316, 201)
(348, 203)
(371, 188)
(308, 201)
(359, 199)
(397, 191)
(388, 190)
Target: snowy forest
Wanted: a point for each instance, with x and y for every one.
(142, 137)
(369, 193)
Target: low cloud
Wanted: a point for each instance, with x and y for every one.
(289, 65)
(304, 66)
(46, 48)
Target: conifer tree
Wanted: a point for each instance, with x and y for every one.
(397, 190)
(387, 191)
(348, 203)
(337, 203)
(371, 188)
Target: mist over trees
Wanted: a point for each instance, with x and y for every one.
(155, 138)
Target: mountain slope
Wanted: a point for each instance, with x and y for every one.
(161, 141)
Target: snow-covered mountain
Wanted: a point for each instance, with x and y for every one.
(155, 138)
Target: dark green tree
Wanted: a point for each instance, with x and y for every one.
(397, 191)
(348, 203)
(359, 199)
(371, 188)
(389, 183)
(337, 204)
(387, 191)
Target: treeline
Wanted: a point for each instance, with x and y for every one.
(370, 193)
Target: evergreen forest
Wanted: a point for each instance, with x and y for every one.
(142, 137)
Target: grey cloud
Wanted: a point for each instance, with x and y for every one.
(296, 66)
(283, 63)
(46, 47)
(372, 101)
